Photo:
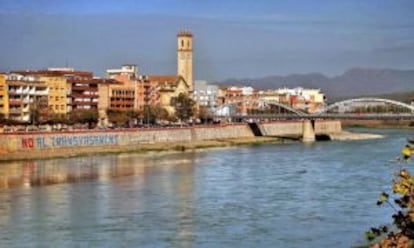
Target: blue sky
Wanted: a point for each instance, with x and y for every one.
(244, 38)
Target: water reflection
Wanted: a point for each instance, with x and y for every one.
(46, 172)
(111, 200)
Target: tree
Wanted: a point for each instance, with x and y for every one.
(184, 107)
(89, 116)
(152, 114)
(403, 204)
(38, 109)
(204, 114)
(3, 119)
(118, 117)
(56, 119)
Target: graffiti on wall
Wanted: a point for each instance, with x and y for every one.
(69, 141)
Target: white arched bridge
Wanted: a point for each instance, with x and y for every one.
(358, 108)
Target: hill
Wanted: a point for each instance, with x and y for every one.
(354, 82)
(405, 97)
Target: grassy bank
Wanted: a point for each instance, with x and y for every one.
(403, 124)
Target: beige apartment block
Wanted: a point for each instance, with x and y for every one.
(4, 96)
(58, 91)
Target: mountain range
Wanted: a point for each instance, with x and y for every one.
(354, 82)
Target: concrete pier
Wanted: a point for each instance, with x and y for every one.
(308, 132)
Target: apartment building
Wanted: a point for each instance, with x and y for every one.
(4, 96)
(59, 86)
(205, 94)
(125, 95)
(243, 98)
(307, 100)
(26, 95)
(84, 92)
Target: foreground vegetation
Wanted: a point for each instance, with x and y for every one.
(401, 232)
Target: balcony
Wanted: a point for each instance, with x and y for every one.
(84, 88)
(84, 96)
(122, 103)
(15, 111)
(83, 103)
(27, 100)
(41, 92)
(14, 102)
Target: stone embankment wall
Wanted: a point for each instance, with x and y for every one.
(281, 128)
(295, 128)
(225, 132)
(327, 127)
(50, 144)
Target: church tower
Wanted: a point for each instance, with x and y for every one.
(185, 57)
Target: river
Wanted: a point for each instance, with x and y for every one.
(279, 195)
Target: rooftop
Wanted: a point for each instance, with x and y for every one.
(185, 33)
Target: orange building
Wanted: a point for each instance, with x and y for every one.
(4, 96)
(125, 95)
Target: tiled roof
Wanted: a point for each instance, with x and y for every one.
(94, 80)
(163, 78)
(54, 73)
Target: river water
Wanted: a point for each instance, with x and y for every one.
(279, 195)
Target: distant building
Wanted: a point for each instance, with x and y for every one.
(25, 94)
(205, 94)
(308, 100)
(59, 88)
(129, 72)
(243, 98)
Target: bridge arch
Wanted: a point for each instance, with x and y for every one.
(365, 99)
(221, 110)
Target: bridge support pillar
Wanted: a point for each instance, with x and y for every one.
(308, 132)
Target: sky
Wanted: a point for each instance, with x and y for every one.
(232, 38)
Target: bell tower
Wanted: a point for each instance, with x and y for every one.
(185, 56)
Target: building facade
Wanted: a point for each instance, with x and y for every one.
(4, 96)
(205, 94)
(27, 96)
(125, 95)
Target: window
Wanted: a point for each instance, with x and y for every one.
(182, 43)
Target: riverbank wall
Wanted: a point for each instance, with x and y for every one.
(31, 145)
(295, 128)
(28, 145)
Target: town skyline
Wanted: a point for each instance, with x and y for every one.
(231, 39)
